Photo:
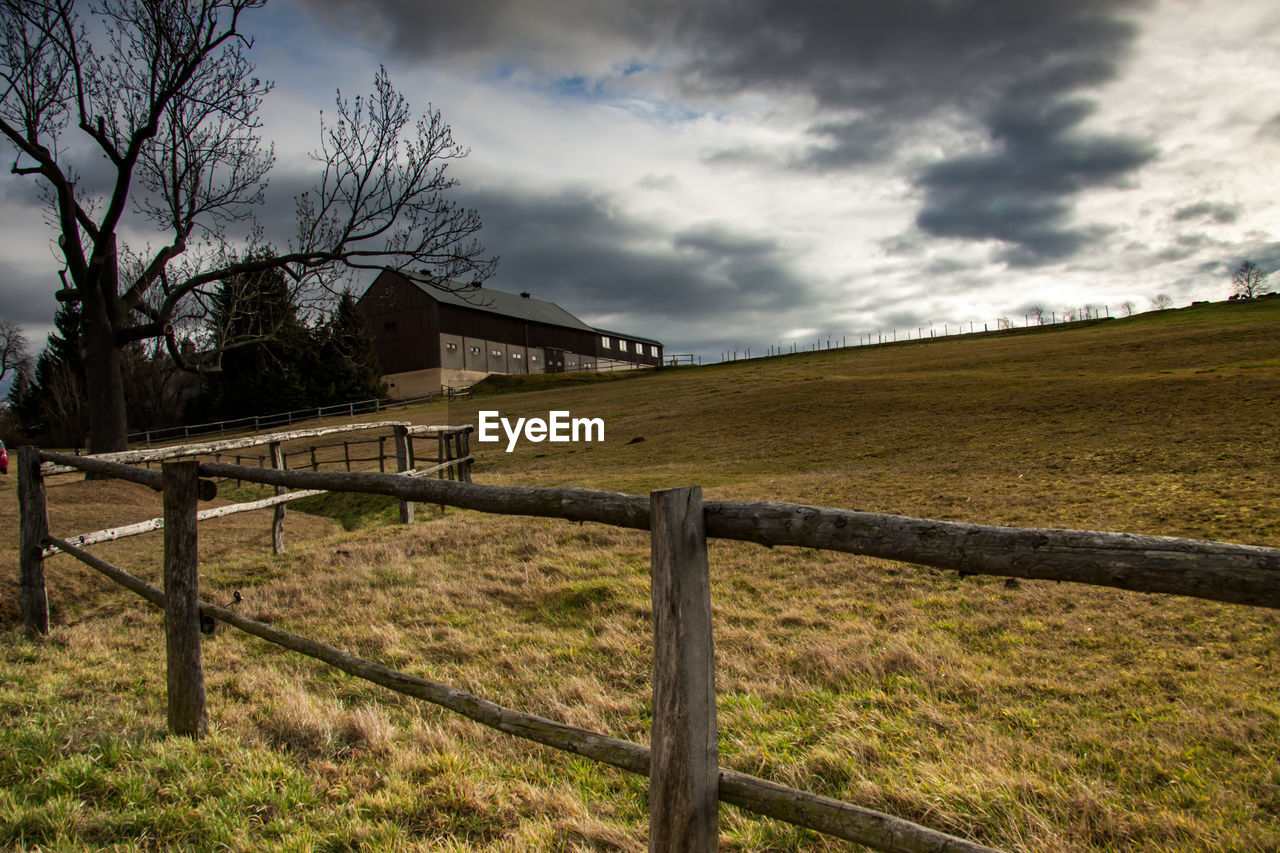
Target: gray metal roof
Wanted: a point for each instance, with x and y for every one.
(501, 302)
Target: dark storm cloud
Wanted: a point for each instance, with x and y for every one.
(1020, 192)
(1264, 253)
(850, 143)
(26, 295)
(878, 70)
(886, 71)
(577, 248)
(1223, 214)
(1184, 246)
(1271, 129)
(503, 30)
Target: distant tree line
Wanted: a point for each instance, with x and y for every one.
(254, 351)
(269, 360)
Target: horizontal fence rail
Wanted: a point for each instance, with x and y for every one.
(1219, 571)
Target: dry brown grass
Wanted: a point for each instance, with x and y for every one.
(1032, 716)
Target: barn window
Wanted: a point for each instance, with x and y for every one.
(604, 341)
(475, 350)
(653, 350)
(451, 347)
(496, 353)
(533, 358)
(518, 356)
(622, 346)
(573, 364)
(389, 326)
(389, 290)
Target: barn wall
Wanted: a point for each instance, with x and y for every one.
(424, 345)
(404, 323)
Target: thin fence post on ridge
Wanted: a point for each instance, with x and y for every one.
(185, 669)
(684, 772)
(33, 528)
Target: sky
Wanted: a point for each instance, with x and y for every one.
(730, 175)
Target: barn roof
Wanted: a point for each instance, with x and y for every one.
(501, 302)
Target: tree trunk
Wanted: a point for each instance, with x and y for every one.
(103, 359)
(108, 428)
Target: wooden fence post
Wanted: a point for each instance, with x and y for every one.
(684, 773)
(277, 519)
(402, 464)
(33, 527)
(466, 451)
(182, 600)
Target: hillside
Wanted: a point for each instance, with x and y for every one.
(1159, 424)
(1030, 716)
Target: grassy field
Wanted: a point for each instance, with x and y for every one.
(1030, 716)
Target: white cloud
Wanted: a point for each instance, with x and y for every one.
(807, 175)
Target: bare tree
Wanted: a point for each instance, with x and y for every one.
(166, 94)
(1126, 308)
(1162, 302)
(1037, 311)
(13, 349)
(64, 407)
(1248, 281)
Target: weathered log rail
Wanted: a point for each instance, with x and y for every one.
(453, 460)
(1220, 571)
(686, 782)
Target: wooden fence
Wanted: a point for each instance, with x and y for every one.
(686, 782)
(257, 423)
(452, 460)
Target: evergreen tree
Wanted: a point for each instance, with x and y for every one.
(254, 323)
(273, 362)
(50, 403)
(349, 369)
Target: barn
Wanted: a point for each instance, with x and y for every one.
(428, 339)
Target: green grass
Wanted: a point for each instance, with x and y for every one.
(1031, 716)
(350, 509)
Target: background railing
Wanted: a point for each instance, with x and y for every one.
(452, 461)
(257, 423)
(686, 782)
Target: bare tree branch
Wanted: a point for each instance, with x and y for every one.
(1248, 281)
(14, 354)
(167, 93)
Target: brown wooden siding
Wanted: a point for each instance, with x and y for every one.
(404, 323)
(410, 330)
